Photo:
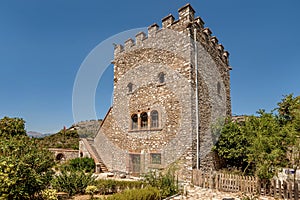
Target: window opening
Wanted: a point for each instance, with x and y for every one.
(134, 121)
(154, 119)
(161, 77)
(155, 158)
(130, 86)
(144, 120)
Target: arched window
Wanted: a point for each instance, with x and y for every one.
(154, 119)
(144, 120)
(134, 121)
(130, 86)
(161, 77)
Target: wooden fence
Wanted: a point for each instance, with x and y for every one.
(245, 184)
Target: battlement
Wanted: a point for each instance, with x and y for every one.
(186, 24)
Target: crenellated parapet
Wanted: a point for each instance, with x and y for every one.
(186, 23)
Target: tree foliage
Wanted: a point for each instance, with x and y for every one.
(259, 145)
(25, 168)
(12, 127)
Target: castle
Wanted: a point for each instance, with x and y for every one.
(171, 87)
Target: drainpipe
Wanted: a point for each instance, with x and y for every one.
(197, 106)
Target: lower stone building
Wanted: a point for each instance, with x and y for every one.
(171, 93)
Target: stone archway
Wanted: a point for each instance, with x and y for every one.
(60, 157)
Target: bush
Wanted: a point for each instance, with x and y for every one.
(113, 186)
(72, 182)
(91, 190)
(86, 164)
(166, 183)
(80, 164)
(49, 194)
(149, 193)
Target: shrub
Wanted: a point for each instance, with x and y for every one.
(49, 194)
(72, 182)
(113, 186)
(148, 193)
(166, 183)
(91, 190)
(86, 164)
(80, 164)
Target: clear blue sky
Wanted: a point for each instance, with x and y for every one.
(43, 43)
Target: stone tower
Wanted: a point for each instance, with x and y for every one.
(171, 86)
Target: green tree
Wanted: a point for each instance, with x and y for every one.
(25, 168)
(12, 127)
(289, 114)
(289, 109)
(232, 145)
(269, 144)
(256, 146)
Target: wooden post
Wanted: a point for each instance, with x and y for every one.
(274, 188)
(280, 191)
(290, 191)
(242, 184)
(259, 186)
(211, 180)
(296, 191)
(284, 189)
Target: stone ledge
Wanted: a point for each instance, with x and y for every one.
(142, 130)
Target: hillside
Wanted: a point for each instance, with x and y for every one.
(65, 138)
(87, 129)
(69, 138)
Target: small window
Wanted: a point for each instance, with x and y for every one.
(155, 158)
(144, 120)
(154, 119)
(134, 121)
(219, 88)
(130, 87)
(161, 77)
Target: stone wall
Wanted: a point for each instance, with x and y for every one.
(64, 154)
(173, 52)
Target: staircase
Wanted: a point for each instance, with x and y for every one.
(90, 146)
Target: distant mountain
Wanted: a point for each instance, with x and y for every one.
(35, 134)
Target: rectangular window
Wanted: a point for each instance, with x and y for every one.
(155, 158)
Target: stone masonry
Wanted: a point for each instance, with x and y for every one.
(153, 121)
